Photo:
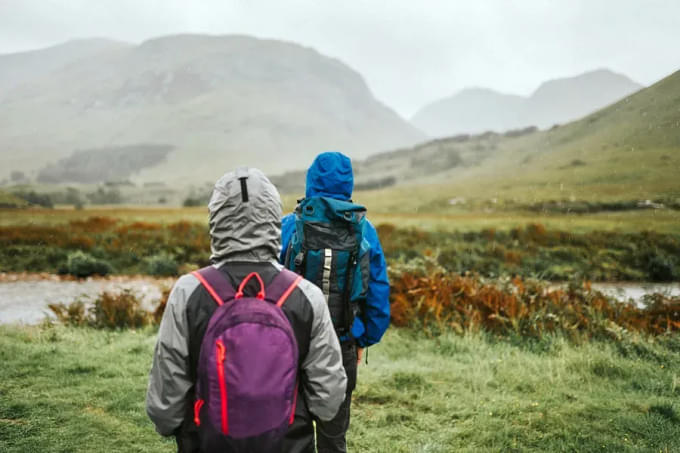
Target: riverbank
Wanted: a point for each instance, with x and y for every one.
(24, 296)
(466, 393)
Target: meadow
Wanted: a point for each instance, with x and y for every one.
(380, 211)
(483, 354)
(66, 389)
(171, 241)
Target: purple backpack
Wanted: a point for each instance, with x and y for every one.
(246, 388)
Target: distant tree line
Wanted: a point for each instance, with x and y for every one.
(115, 163)
(70, 196)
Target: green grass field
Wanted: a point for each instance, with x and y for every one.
(81, 390)
(662, 221)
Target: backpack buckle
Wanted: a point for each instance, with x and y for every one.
(299, 258)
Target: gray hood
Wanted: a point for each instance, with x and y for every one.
(245, 230)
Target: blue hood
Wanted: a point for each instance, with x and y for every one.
(330, 175)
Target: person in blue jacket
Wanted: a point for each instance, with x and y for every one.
(330, 175)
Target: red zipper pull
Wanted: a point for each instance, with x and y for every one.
(197, 410)
(221, 352)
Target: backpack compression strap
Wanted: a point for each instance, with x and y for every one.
(216, 283)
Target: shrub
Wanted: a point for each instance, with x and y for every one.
(435, 300)
(192, 202)
(118, 311)
(661, 268)
(162, 264)
(73, 314)
(108, 311)
(83, 265)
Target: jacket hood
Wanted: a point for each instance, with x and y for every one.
(330, 175)
(245, 218)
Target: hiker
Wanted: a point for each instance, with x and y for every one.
(329, 241)
(246, 349)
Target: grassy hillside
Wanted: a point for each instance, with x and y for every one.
(7, 200)
(451, 393)
(628, 151)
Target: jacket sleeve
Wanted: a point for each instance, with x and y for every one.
(169, 377)
(376, 317)
(287, 229)
(325, 378)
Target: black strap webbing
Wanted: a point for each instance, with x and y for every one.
(244, 189)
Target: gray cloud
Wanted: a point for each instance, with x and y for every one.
(409, 52)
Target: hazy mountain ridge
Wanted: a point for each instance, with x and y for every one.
(553, 102)
(220, 101)
(630, 150)
(23, 67)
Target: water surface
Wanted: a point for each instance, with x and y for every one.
(24, 299)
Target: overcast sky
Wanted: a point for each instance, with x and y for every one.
(409, 51)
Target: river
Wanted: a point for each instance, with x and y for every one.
(24, 298)
(636, 290)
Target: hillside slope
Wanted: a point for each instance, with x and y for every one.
(556, 101)
(23, 67)
(218, 101)
(8, 200)
(627, 151)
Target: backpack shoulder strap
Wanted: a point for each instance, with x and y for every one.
(282, 286)
(216, 283)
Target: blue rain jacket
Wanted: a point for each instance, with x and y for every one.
(330, 175)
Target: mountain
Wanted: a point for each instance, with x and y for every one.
(554, 102)
(628, 151)
(23, 67)
(215, 101)
(470, 111)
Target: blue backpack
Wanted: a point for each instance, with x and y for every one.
(326, 249)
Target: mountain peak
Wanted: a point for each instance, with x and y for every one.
(590, 81)
(554, 101)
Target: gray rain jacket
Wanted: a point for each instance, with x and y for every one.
(245, 237)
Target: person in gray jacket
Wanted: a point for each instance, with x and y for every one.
(245, 231)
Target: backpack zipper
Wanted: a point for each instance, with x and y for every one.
(197, 411)
(221, 355)
(291, 419)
